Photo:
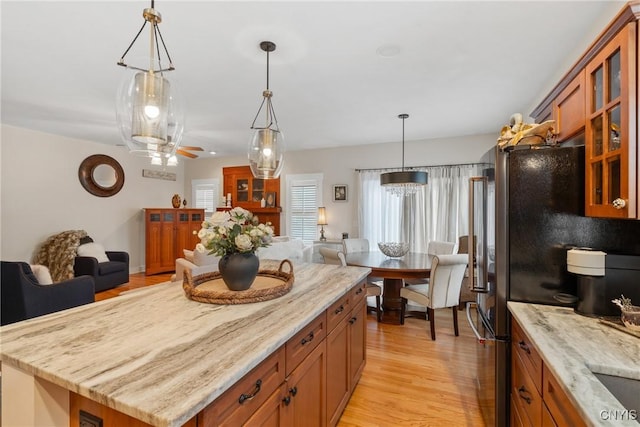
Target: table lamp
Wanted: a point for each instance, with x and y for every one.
(322, 221)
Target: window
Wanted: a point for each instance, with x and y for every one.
(304, 195)
(204, 193)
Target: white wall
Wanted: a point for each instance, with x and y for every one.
(42, 195)
(339, 165)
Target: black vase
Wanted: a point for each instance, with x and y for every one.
(239, 270)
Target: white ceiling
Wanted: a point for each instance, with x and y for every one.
(462, 68)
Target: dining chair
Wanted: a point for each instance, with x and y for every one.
(466, 294)
(434, 247)
(355, 245)
(447, 272)
(333, 256)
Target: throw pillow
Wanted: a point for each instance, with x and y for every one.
(94, 250)
(203, 258)
(42, 274)
(188, 255)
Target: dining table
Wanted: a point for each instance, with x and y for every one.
(393, 271)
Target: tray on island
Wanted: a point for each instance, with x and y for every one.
(210, 287)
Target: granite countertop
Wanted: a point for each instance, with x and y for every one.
(573, 347)
(160, 357)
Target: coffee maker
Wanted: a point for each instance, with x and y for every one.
(603, 277)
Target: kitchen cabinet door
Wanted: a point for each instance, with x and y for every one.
(611, 140)
(569, 109)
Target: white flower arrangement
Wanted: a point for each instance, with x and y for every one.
(234, 231)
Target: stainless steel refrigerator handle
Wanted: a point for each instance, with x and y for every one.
(481, 340)
(472, 233)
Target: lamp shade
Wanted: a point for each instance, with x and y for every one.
(322, 216)
(266, 153)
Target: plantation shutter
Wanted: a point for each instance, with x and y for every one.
(304, 211)
(204, 195)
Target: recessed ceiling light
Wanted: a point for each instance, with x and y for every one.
(213, 153)
(388, 50)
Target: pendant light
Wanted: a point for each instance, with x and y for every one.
(266, 148)
(403, 182)
(148, 107)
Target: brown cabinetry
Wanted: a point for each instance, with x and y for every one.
(167, 233)
(307, 381)
(247, 192)
(599, 95)
(536, 396)
(611, 129)
(569, 109)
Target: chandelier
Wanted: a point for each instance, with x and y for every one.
(401, 183)
(266, 148)
(148, 107)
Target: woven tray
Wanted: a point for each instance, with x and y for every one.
(210, 287)
(616, 323)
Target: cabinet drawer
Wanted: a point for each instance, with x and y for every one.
(523, 347)
(298, 347)
(238, 403)
(358, 293)
(547, 419)
(560, 407)
(524, 394)
(338, 311)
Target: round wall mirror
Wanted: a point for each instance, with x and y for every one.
(101, 175)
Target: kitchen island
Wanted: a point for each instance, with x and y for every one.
(575, 347)
(154, 354)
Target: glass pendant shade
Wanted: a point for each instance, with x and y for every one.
(149, 114)
(266, 153)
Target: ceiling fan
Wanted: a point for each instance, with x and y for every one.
(184, 150)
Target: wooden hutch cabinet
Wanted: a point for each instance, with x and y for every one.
(598, 98)
(167, 233)
(247, 192)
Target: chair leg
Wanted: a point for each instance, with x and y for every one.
(455, 319)
(378, 311)
(403, 308)
(432, 321)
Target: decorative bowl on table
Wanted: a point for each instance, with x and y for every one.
(393, 249)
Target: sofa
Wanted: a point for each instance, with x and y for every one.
(24, 296)
(281, 248)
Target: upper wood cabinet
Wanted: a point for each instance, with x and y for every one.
(611, 129)
(247, 192)
(598, 98)
(569, 109)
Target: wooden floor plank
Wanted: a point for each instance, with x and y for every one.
(409, 380)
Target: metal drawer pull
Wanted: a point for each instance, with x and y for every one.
(287, 400)
(524, 347)
(353, 320)
(359, 291)
(293, 391)
(522, 390)
(244, 397)
(339, 309)
(307, 339)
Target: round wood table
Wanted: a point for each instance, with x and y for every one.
(413, 265)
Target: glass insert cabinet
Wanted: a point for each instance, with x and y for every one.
(611, 128)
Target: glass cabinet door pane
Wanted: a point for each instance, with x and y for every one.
(614, 76)
(597, 183)
(596, 81)
(596, 135)
(614, 179)
(614, 128)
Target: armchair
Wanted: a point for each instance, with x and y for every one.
(106, 274)
(22, 297)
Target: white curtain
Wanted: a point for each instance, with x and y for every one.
(439, 211)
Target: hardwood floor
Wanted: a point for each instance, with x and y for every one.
(409, 380)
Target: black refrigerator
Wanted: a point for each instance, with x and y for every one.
(525, 214)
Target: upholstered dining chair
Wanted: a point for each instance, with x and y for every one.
(333, 256)
(466, 294)
(447, 272)
(355, 245)
(434, 247)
